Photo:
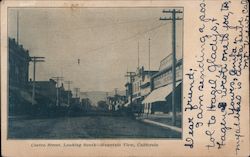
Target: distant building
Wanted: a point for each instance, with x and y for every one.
(46, 92)
(65, 96)
(128, 87)
(139, 88)
(75, 101)
(116, 102)
(146, 84)
(159, 100)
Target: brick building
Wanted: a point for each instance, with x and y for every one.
(18, 73)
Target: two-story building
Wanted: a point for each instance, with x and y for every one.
(159, 100)
(139, 87)
(18, 73)
(18, 65)
(65, 96)
(46, 92)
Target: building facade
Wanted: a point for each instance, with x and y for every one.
(160, 98)
(164, 76)
(18, 67)
(65, 96)
(116, 102)
(18, 73)
(138, 88)
(46, 92)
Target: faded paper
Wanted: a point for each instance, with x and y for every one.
(215, 78)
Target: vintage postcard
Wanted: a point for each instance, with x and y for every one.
(125, 78)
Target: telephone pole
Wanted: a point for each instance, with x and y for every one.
(77, 90)
(57, 79)
(68, 82)
(17, 29)
(131, 76)
(116, 91)
(138, 49)
(35, 60)
(149, 54)
(173, 18)
(107, 94)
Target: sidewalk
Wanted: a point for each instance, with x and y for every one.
(18, 117)
(163, 120)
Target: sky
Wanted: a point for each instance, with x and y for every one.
(105, 40)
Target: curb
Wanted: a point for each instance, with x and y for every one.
(163, 125)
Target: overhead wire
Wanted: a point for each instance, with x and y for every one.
(119, 41)
(102, 26)
(126, 39)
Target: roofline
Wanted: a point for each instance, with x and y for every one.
(179, 62)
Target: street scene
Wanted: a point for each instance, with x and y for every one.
(87, 127)
(76, 73)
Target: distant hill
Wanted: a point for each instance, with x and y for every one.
(96, 96)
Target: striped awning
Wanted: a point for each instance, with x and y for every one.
(160, 94)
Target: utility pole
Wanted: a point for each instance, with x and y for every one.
(35, 60)
(107, 94)
(149, 54)
(17, 28)
(68, 82)
(173, 19)
(138, 49)
(77, 90)
(131, 75)
(57, 79)
(116, 91)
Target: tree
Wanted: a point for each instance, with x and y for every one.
(102, 105)
(86, 103)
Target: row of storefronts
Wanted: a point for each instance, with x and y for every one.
(150, 92)
(48, 93)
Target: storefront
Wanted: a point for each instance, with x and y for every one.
(160, 99)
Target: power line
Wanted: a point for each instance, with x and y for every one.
(113, 24)
(126, 39)
(131, 37)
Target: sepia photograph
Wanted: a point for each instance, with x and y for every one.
(124, 78)
(93, 73)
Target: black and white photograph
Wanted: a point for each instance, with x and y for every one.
(95, 73)
(124, 78)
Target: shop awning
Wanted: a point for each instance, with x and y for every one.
(159, 94)
(26, 96)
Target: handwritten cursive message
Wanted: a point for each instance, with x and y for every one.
(213, 102)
